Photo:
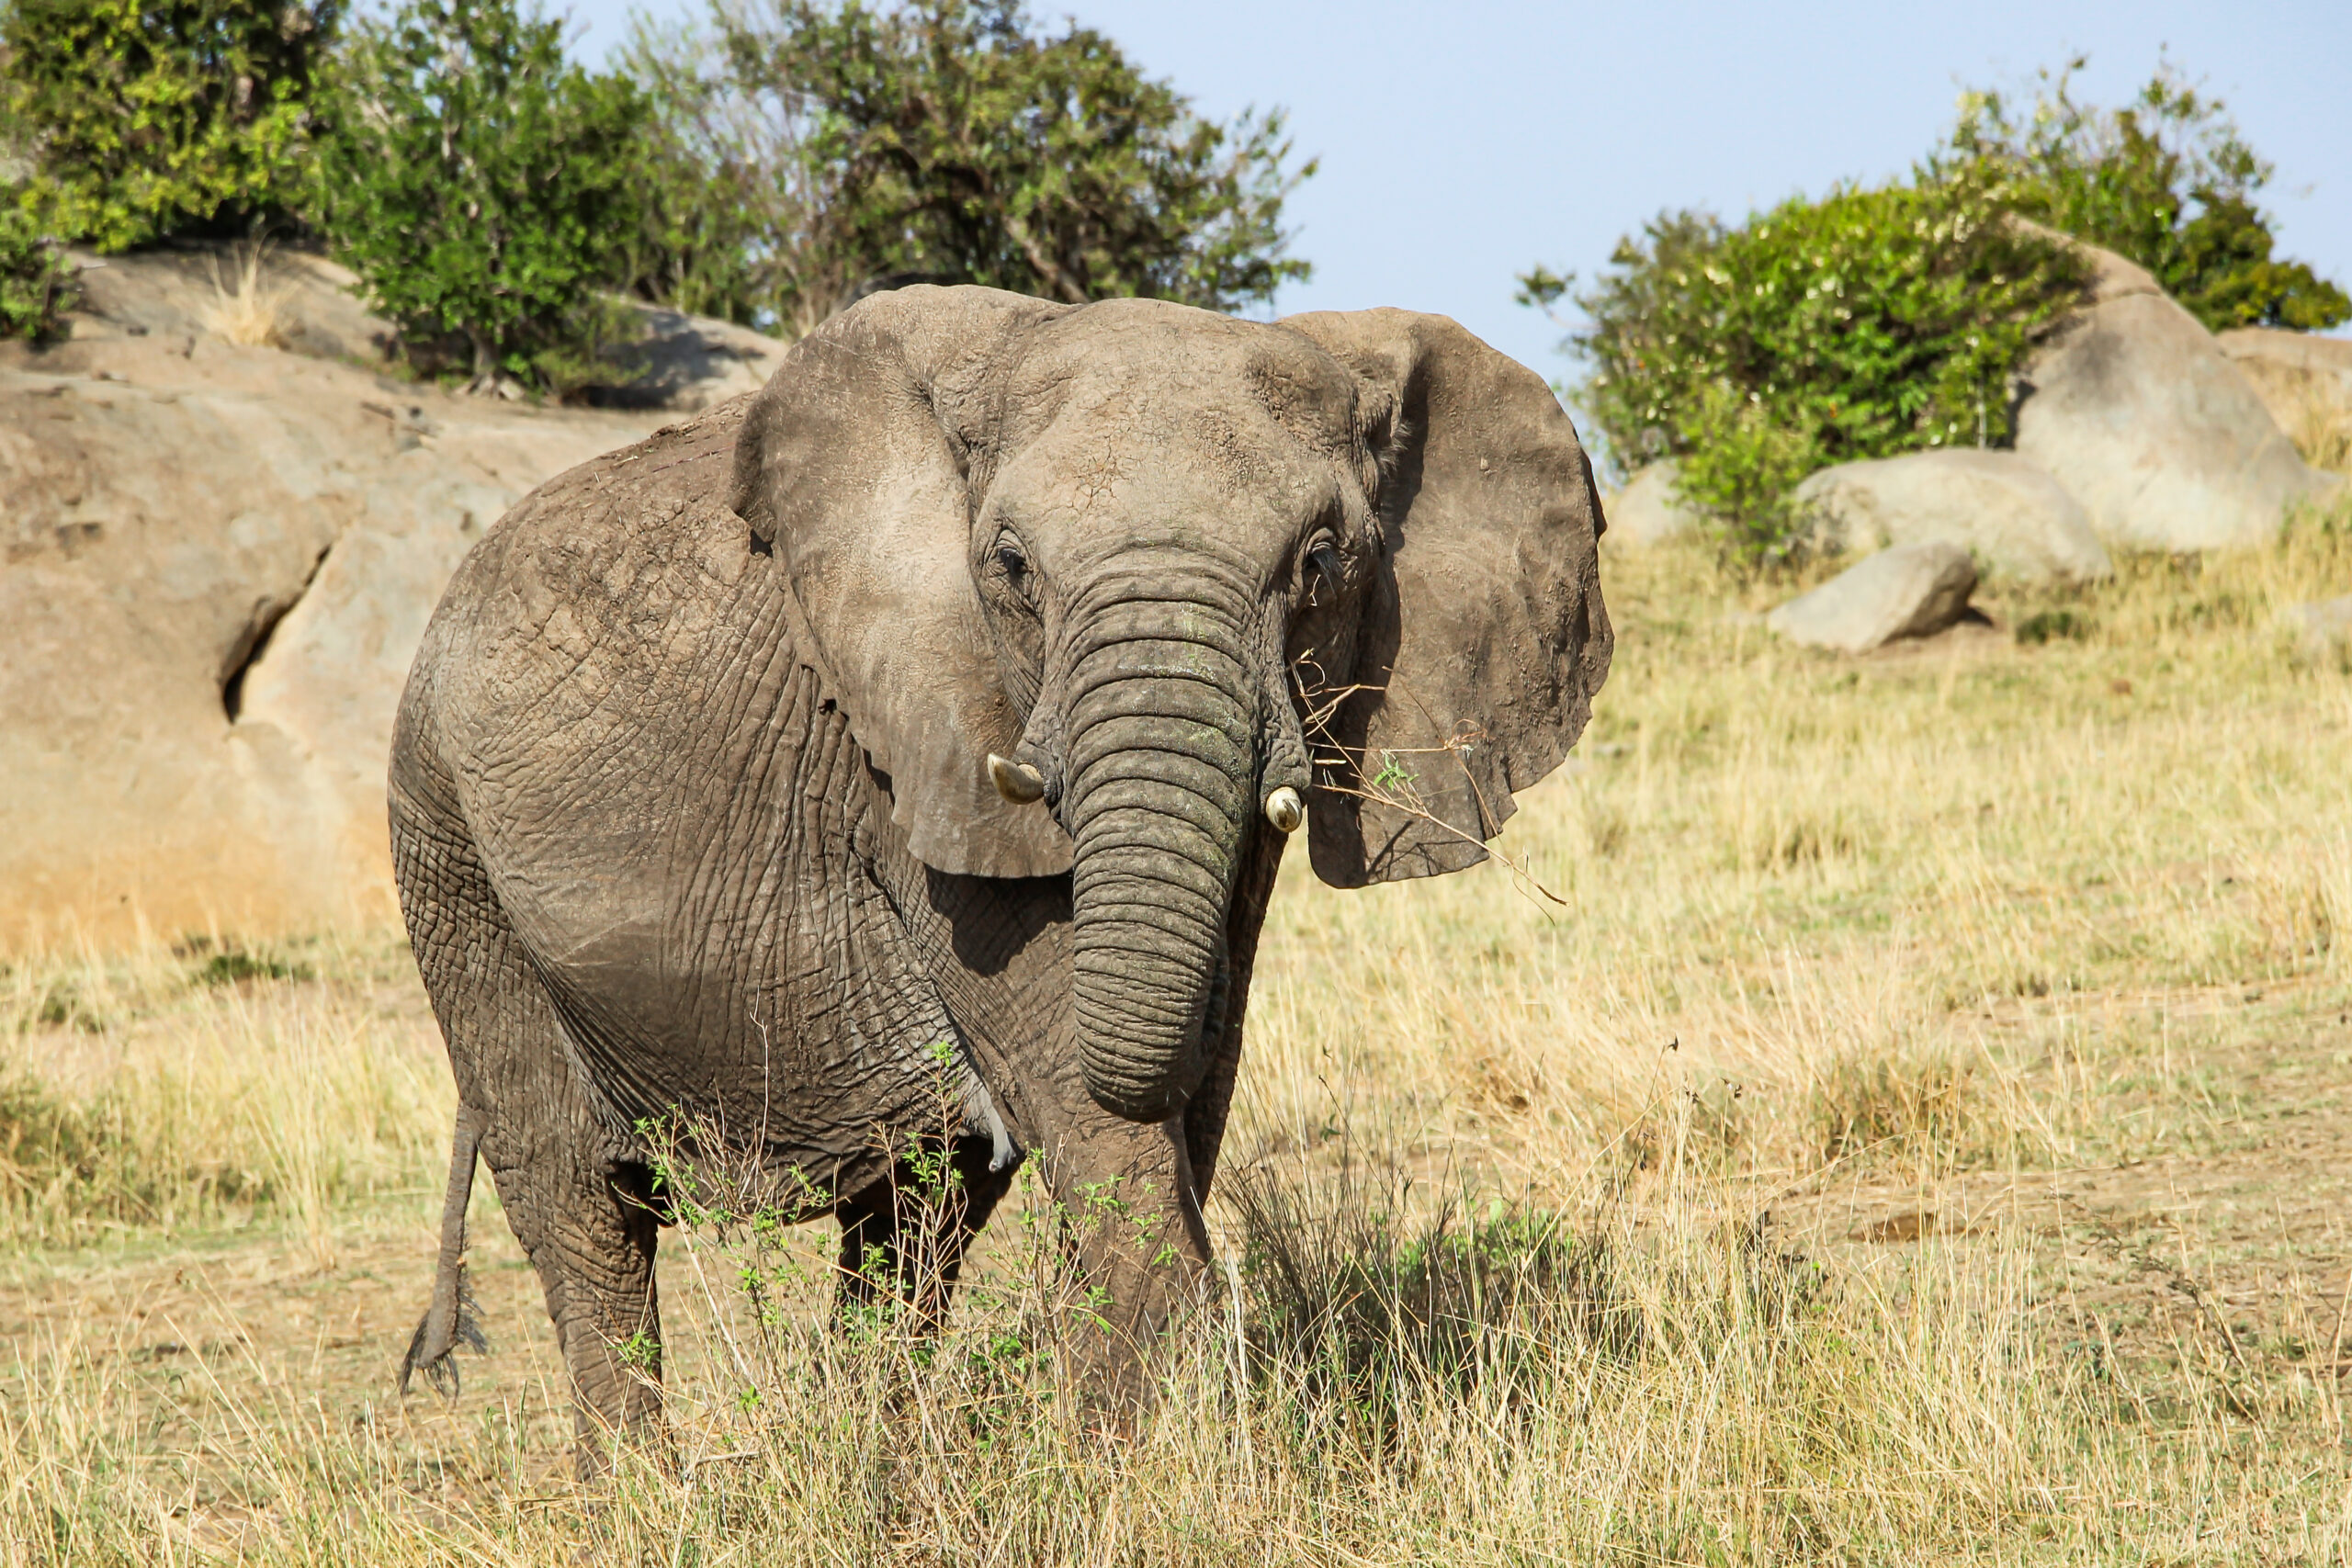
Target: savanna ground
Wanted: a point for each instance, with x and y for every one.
(1921, 1131)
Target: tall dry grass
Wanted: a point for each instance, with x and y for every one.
(1478, 1384)
(203, 1085)
(1850, 901)
(247, 309)
(1504, 1285)
(2319, 421)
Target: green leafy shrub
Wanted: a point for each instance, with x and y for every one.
(35, 277)
(808, 151)
(233, 965)
(477, 183)
(1868, 324)
(1875, 321)
(151, 117)
(2166, 180)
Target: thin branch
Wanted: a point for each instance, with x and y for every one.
(1392, 785)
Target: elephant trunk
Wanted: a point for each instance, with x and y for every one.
(1160, 764)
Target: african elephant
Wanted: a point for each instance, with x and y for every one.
(950, 701)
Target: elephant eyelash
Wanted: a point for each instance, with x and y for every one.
(1321, 567)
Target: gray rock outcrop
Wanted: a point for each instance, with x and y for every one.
(176, 297)
(1910, 591)
(218, 562)
(2134, 408)
(1647, 511)
(689, 363)
(2010, 514)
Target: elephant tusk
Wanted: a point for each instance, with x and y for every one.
(1017, 782)
(1286, 810)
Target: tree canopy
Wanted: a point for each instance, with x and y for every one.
(2166, 180)
(476, 180)
(951, 140)
(769, 162)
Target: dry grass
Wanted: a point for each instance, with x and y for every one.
(1809, 873)
(248, 311)
(1925, 1135)
(2322, 429)
(204, 1086)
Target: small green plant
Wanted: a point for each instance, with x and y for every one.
(37, 283)
(62, 1006)
(235, 965)
(477, 183)
(147, 118)
(2054, 626)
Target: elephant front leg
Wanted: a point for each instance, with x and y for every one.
(1131, 1226)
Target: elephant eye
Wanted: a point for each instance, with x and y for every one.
(1322, 574)
(1013, 564)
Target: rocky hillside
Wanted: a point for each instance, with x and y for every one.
(225, 524)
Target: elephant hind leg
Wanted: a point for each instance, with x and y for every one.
(591, 1233)
(579, 1212)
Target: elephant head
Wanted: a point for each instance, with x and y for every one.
(1104, 590)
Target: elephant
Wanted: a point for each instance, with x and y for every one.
(940, 713)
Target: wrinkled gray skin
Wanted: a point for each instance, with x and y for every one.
(690, 801)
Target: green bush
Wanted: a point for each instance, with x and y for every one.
(1881, 321)
(1868, 324)
(480, 183)
(36, 278)
(810, 151)
(2167, 181)
(151, 117)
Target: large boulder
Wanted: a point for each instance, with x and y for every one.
(2305, 383)
(296, 301)
(1910, 591)
(1647, 511)
(687, 363)
(219, 558)
(2134, 408)
(2012, 515)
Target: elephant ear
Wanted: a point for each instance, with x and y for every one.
(852, 465)
(1484, 637)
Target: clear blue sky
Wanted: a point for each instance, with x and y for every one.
(1461, 143)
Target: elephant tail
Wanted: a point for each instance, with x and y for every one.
(450, 1321)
